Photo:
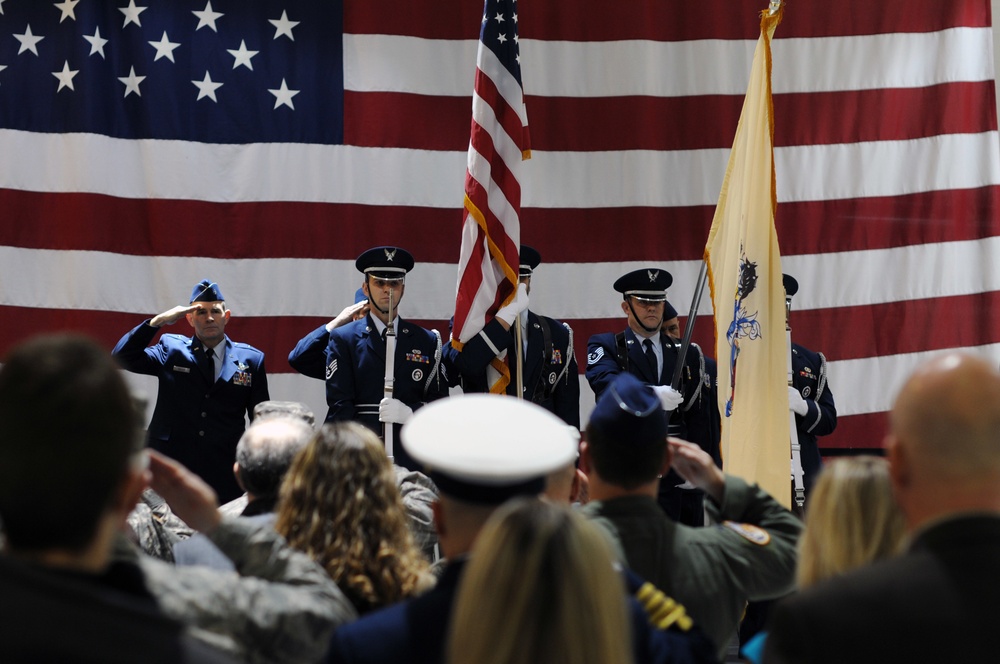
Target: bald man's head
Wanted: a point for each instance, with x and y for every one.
(949, 413)
(945, 440)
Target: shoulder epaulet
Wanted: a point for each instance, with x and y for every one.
(663, 611)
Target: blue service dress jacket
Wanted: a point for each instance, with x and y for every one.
(354, 369)
(551, 377)
(415, 632)
(696, 419)
(197, 420)
(809, 378)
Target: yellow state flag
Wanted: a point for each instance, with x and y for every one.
(744, 271)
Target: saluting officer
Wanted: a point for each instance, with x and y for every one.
(550, 375)
(810, 398)
(355, 354)
(208, 386)
(645, 352)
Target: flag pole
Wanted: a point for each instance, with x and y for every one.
(390, 376)
(518, 335)
(675, 381)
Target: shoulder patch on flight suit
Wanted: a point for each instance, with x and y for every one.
(747, 531)
(663, 611)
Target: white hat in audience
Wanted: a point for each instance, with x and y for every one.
(486, 448)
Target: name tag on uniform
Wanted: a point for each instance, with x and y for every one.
(182, 369)
(242, 378)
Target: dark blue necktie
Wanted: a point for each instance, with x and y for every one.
(651, 357)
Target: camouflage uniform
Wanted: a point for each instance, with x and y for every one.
(154, 528)
(419, 493)
(281, 607)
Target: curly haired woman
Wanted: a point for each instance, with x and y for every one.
(339, 504)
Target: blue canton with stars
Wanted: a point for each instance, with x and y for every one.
(219, 71)
(499, 34)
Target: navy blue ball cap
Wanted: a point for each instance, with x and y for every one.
(530, 259)
(630, 411)
(206, 291)
(791, 285)
(385, 262)
(669, 311)
(649, 283)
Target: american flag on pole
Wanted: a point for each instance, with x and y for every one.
(886, 152)
(488, 259)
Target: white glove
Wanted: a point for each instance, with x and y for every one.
(393, 410)
(796, 403)
(669, 397)
(520, 302)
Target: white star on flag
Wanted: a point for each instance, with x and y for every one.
(66, 76)
(28, 41)
(68, 9)
(502, 38)
(206, 17)
(164, 48)
(96, 42)
(132, 13)
(283, 26)
(242, 56)
(132, 82)
(499, 17)
(207, 88)
(283, 96)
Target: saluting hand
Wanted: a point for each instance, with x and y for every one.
(356, 311)
(188, 495)
(697, 467)
(172, 316)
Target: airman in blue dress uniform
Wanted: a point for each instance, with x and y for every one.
(810, 398)
(203, 401)
(651, 355)
(550, 374)
(354, 357)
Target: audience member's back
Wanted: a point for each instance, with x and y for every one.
(70, 472)
(938, 601)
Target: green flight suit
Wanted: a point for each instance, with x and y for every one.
(713, 571)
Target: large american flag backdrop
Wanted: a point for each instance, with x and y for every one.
(264, 144)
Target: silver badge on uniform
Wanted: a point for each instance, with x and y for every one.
(417, 375)
(390, 255)
(552, 378)
(653, 275)
(595, 357)
(806, 391)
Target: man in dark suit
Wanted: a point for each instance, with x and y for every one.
(71, 468)
(550, 376)
(356, 354)
(208, 386)
(939, 601)
(651, 356)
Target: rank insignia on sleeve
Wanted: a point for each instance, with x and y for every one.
(596, 356)
(750, 532)
(556, 356)
(242, 378)
(331, 369)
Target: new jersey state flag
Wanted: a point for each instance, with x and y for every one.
(744, 270)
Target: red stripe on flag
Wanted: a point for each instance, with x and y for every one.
(664, 21)
(582, 124)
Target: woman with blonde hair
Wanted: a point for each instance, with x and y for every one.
(339, 503)
(540, 586)
(851, 520)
